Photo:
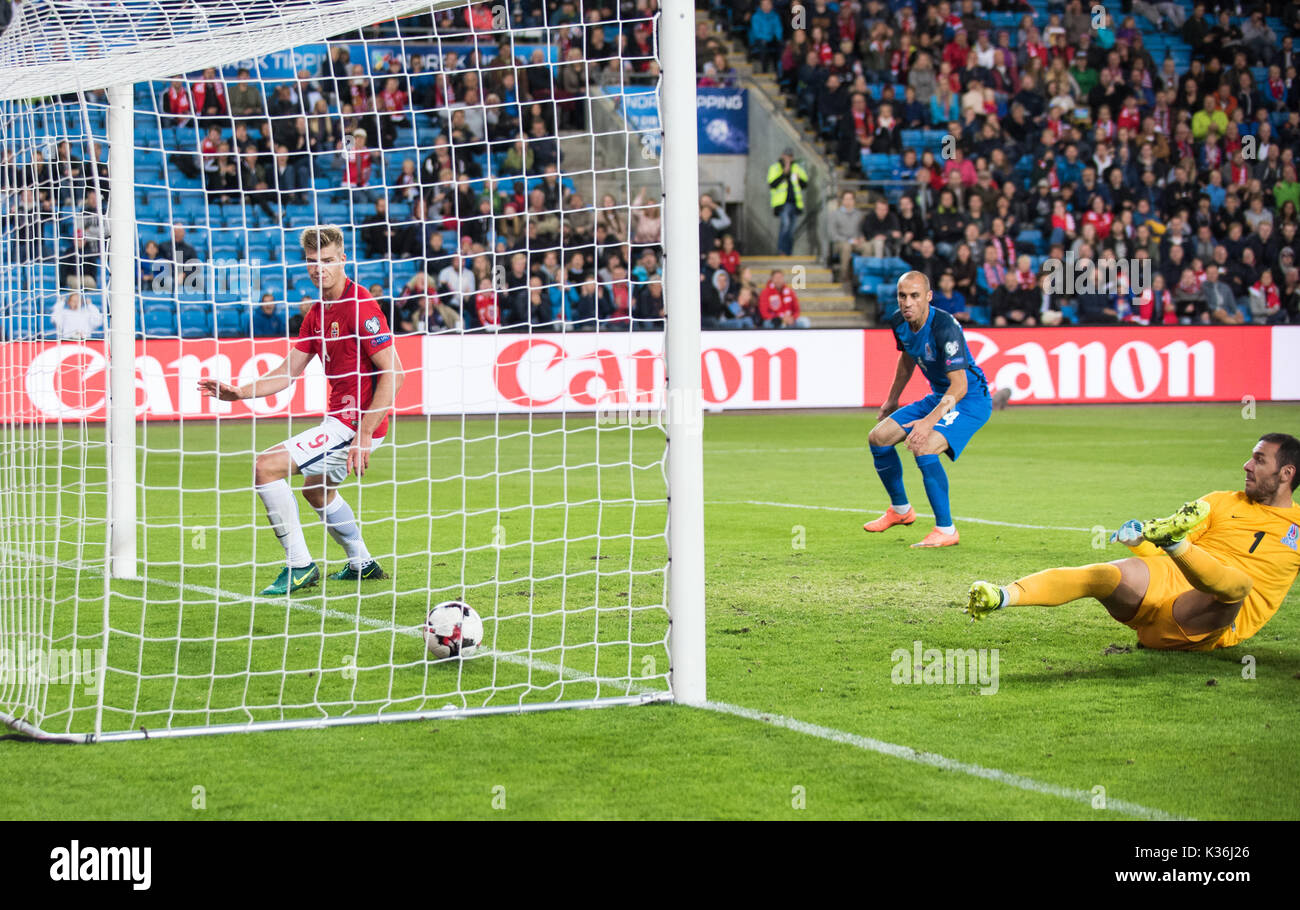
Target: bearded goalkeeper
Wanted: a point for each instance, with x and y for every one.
(1208, 576)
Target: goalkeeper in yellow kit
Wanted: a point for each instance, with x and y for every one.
(1208, 576)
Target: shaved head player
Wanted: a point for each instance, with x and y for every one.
(941, 423)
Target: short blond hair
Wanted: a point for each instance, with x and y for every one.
(315, 239)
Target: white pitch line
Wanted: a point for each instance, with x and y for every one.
(906, 753)
(866, 743)
(723, 450)
(977, 521)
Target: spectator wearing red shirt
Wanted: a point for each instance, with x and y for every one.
(825, 53)
(357, 160)
(1130, 118)
(210, 96)
(485, 306)
(778, 305)
(1026, 277)
(209, 148)
(1266, 300)
(1099, 218)
(962, 166)
(177, 102)
(1154, 303)
(1064, 226)
(1105, 125)
(957, 52)
(730, 258)
(480, 17)
(620, 290)
(392, 101)
(1034, 47)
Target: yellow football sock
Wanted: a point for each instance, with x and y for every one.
(1224, 583)
(1052, 587)
(1144, 548)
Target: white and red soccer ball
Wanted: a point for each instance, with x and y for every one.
(453, 629)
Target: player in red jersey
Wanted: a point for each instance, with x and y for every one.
(348, 331)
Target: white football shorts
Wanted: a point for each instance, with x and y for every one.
(324, 449)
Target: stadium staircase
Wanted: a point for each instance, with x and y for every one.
(827, 302)
(822, 299)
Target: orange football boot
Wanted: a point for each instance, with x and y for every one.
(937, 538)
(891, 518)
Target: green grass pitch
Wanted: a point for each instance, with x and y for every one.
(805, 614)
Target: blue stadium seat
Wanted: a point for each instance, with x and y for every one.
(195, 320)
(22, 326)
(264, 244)
(403, 269)
(159, 321)
(370, 272)
(232, 322)
(336, 213)
(1030, 238)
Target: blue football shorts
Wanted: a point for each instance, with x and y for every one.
(957, 426)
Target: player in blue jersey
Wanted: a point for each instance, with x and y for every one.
(941, 422)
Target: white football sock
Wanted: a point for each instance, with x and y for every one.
(950, 529)
(282, 511)
(342, 525)
(901, 510)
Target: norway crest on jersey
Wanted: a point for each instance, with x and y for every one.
(1291, 536)
(334, 330)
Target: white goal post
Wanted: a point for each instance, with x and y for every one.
(545, 460)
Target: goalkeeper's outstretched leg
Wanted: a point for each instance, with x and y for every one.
(1181, 599)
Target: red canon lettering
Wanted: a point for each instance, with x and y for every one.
(609, 374)
(506, 371)
(788, 360)
(730, 377)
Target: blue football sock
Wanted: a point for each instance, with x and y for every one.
(890, 469)
(936, 487)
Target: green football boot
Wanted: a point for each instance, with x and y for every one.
(367, 572)
(1165, 532)
(290, 580)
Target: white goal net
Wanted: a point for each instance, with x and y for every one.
(159, 163)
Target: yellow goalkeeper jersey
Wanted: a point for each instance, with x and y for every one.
(1259, 540)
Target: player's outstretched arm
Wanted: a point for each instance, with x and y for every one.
(902, 373)
(270, 382)
(388, 380)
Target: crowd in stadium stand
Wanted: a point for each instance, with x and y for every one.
(454, 171)
(1049, 139)
(1063, 140)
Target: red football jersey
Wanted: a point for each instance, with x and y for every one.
(344, 333)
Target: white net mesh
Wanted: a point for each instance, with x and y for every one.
(503, 214)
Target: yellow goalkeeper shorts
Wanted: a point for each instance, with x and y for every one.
(1154, 622)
